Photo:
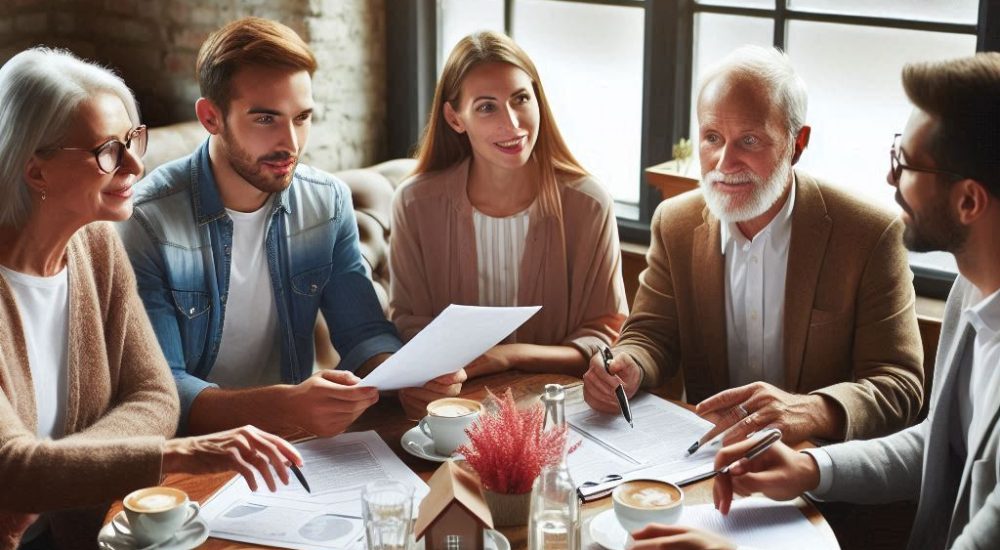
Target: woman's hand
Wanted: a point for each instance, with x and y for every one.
(244, 450)
(678, 537)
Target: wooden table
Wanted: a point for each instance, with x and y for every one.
(387, 419)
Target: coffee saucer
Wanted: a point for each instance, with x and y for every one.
(188, 537)
(606, 531)
(492, 540)
(419, 445)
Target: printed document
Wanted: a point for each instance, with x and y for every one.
(757, 522)
(451, 341)
(656, 448)
(330, 517)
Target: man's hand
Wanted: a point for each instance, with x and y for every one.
(779, 472)
(244, 450)
(415, 400)
(799, 417)
(12, 527)
(677, 537)
(327, 402)
(599, 386)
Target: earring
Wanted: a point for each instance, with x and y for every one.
(43, 194)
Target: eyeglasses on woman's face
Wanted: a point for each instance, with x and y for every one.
(109, 155)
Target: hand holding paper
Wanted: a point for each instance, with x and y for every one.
(452, 340)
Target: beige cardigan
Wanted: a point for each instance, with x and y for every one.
(121, 398)
(578, 283)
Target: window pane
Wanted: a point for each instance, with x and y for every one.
(856, 98)
(715, 36)
(769, 4)
(945, 11)
(459, 18)
(589, 57)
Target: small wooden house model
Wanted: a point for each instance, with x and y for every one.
(453, 515)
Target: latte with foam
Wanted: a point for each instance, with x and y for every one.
(155, 499)
(453, 407)
(648, 494)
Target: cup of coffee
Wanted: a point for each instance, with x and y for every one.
(639, 502)
(156, 513)
(447, 420)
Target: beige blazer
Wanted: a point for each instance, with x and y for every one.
(122, 399)
(577, 281)
(850, 326)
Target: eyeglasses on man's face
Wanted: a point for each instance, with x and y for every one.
(897, 166)
(109, 155)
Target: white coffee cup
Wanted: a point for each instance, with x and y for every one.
(447, 420)
(639, 502)
(156, 513)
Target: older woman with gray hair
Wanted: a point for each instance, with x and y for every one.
(86, 399)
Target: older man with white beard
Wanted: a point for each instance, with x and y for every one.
(786, 302)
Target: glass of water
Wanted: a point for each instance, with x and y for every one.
(388, 512)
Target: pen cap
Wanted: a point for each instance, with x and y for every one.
(554, 400)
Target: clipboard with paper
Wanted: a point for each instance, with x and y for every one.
(611, 452)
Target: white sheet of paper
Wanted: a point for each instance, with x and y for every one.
(758, 523)
(451, 341)
(658, 443)
(330, 517)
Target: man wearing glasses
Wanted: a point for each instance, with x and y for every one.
(785, 302)
(238, 247)
(946, 171)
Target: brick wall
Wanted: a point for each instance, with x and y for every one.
(153, 45)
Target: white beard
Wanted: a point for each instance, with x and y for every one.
(734, 209)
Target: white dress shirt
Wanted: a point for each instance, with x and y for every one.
(979, 384)
(755, 298)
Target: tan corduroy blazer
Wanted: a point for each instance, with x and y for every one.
(578, 283)
(122, 402)
(850, 326)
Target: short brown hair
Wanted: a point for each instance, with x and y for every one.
(963, 95)
(248, 41)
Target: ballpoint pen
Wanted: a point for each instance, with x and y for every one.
(766, 438)
(620, 390)
(706, 440)
(300, 477)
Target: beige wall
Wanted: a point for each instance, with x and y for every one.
(153, 45)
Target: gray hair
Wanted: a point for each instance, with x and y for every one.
(773, 69)
(40, 91)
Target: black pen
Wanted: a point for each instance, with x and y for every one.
(620, 390)
(301, 478)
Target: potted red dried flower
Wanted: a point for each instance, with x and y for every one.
(508, 449)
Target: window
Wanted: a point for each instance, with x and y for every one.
(621, 75)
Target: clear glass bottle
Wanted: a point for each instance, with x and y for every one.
(555, 509)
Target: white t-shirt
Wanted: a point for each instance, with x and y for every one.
(248, 353)
(43, 304)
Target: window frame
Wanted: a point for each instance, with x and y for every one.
(669, 35)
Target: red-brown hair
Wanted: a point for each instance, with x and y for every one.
(248, 41)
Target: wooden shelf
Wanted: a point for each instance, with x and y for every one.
(667, 178)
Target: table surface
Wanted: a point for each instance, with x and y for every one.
(387, 419)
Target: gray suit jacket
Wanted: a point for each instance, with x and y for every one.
(959, 503)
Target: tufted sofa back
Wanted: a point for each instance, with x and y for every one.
(371, 190)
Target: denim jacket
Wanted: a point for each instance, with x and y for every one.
(179, 240)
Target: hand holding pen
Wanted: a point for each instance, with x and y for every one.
(778, 471)
(600, 384)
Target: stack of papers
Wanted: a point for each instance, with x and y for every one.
(329, 517)
(656, 448)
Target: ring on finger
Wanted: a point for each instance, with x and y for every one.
(742, 410)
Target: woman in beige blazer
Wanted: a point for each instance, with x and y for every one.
(500, 213)
(86, 397)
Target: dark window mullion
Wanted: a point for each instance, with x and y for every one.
(988, 37)
(819, 17)
(508, 17)
(780, 23)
